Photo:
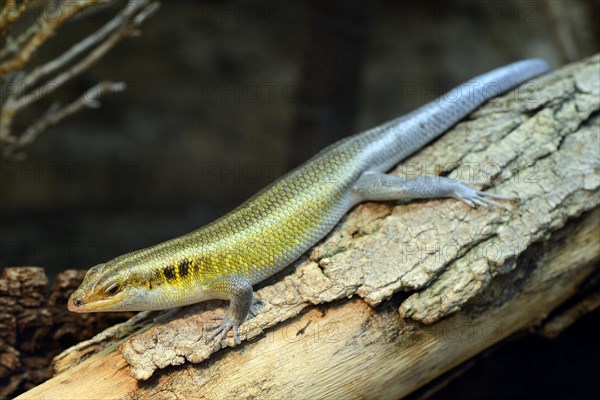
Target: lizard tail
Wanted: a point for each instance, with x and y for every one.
(430, 121)
(395, 140)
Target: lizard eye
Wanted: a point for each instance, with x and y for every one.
(113, 289)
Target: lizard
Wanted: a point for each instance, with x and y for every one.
(265, 234)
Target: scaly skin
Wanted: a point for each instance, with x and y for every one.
(277, 225)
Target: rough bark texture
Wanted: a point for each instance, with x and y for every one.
(461, 279)
(35, 327)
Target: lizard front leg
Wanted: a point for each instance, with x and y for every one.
(239, 293)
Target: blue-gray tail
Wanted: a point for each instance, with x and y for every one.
(393, 141)
(434, 118)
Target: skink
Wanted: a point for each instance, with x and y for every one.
(224, 259)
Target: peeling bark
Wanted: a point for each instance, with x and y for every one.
(35, 326)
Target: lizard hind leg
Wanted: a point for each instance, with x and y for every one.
(383, 187)
(239, 293)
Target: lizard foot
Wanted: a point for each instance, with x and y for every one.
(473, 197)
(221, 329)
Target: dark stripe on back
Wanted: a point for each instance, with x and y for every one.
(184, 268)
(169, 272)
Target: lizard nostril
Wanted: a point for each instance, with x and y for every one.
(77, 302)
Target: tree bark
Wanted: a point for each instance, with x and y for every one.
(397, 295)
(35, 325)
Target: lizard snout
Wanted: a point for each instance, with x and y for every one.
(75, 301)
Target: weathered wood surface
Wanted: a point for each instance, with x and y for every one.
(461, 279)
(35, 325)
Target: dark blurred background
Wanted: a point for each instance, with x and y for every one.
(225, 96)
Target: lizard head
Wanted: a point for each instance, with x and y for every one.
(105, 288)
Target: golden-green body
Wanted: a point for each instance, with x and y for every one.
(254, 241)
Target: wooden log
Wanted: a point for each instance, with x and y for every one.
(35, 325)
(396, 295)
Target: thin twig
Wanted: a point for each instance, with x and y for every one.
(55, 114)
(11, 12)
(123, 18)
(124, 24)
(47, 28)
(14, 45)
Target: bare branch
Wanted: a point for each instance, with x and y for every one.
(91, 49)
(47, 28)
(55, 114)
(14, 45)
(11, 12)
(122, 25)
(121, 21)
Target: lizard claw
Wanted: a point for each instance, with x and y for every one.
(221, 329)
(473, 197)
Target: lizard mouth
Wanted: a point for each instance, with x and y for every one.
(79, 303)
